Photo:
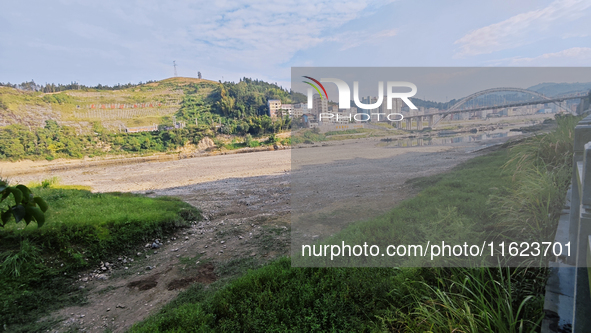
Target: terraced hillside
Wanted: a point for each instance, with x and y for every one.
(138, 106)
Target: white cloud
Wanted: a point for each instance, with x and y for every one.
(353, 39)
(256, 33)
(522, 29)
(576, 56)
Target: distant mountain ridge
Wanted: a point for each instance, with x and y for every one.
(553, 89)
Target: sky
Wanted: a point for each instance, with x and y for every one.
(110, 42)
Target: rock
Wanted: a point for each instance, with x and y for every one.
(206, 246)
(186, 237)
(121, 306)
(124, 261)
(174, 250)
(81, 287)
(197, 263)
(240, 237)
(101, 277)
(149, 268)
(222, 242)
(205, 144)
(120, 259)
(155, 245)
(148, 245)
(104, 268)
(139, 253)
(108, 309)
(155, 252)
(221, 251)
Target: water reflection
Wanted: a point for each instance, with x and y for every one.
(443, 139)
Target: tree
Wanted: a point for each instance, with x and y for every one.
(26, 206)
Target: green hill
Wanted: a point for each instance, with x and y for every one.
(88, 121)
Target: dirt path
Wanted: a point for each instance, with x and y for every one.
(245, 200)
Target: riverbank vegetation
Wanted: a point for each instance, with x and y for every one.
(39, 265)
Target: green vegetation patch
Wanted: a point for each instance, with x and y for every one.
(38, 265)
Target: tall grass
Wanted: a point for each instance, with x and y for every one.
(475, 300)
(541, 168)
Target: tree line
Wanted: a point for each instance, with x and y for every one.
(52, 87)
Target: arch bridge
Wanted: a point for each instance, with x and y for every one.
(434, 118)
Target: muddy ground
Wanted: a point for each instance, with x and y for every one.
(245, 200)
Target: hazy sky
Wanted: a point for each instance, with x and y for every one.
(112, 42)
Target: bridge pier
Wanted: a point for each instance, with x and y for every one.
(419, 123)
(430, 120)
(409, 124)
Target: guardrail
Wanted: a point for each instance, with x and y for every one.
(568, 294)
(580, 226)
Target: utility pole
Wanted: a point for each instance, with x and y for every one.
(174, 64)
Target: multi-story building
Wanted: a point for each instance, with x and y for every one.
(299, 110)
(274, 106)
(319, 105)
(287, 109)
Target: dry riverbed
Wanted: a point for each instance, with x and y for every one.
(245, 200)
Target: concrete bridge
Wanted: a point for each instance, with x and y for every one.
(433, 119)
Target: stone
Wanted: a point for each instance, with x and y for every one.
(101, 277)
(149, 268)
(139, 253)
(108, 309)
(121, 306)
(174, 250)
(222, 242)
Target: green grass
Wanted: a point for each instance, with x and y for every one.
(39, 265)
